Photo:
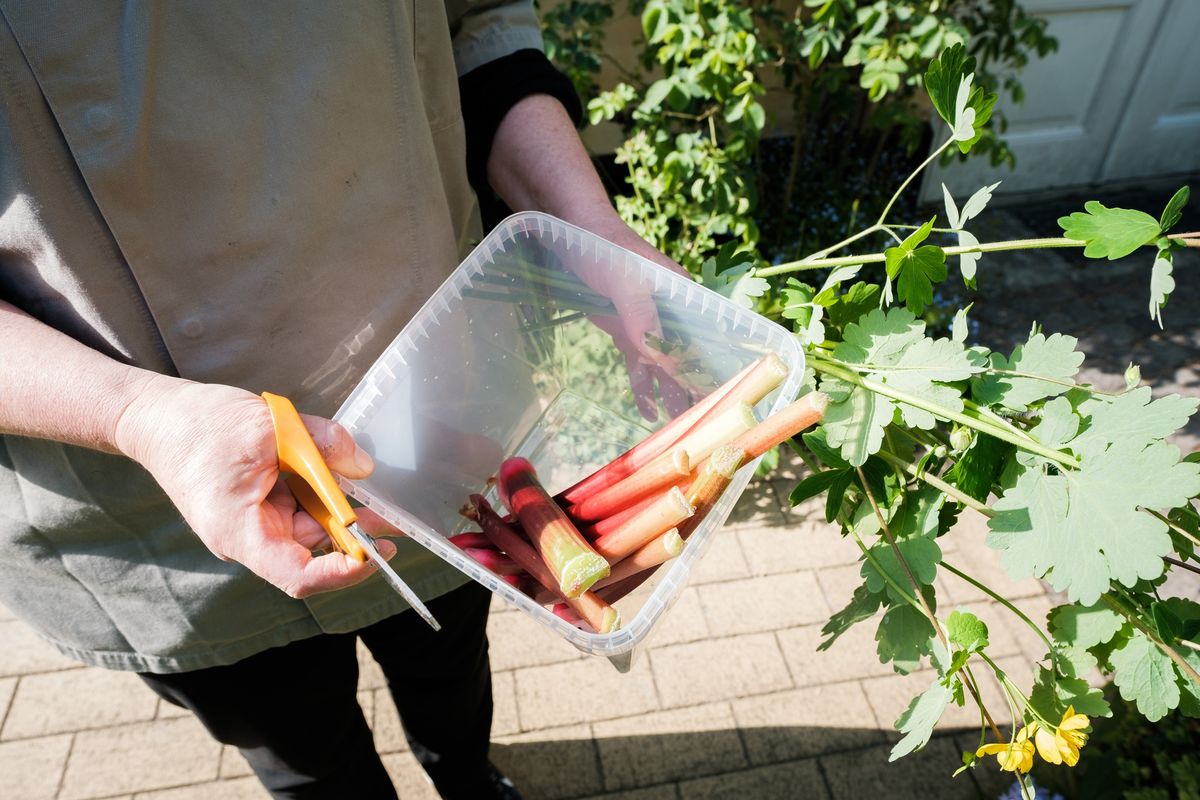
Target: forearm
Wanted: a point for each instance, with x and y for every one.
(53, 387)
(538, 163)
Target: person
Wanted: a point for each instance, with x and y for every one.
(202, 201)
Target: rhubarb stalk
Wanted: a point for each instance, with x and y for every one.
(470, 539)
(664, 513)
(574, 563)
(602, 617)
(710, 484)
(664, 471)
(783, 425)
(656, 552)
(750, 386)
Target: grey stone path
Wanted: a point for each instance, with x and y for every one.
(730, 700)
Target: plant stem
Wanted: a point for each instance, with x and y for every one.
(920, 595)
(936, 482)
(909, 179)
(1002, 601)
(814, 262)
(1177, 563)
(1022, 441)
(1184, 667)
(1173, 526)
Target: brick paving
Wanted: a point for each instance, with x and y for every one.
(730, 700)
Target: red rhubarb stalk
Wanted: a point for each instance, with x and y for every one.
(656, 519)
(664, 471)
(470, 539)
(602, 617)
(494, 560)
(710, 484)
(572, 560)
(610, 524)
(716, 430)
(651, 447)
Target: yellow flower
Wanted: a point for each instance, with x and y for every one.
(1013, 756)
(1060, 745)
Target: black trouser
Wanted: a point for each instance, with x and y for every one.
(293, 714)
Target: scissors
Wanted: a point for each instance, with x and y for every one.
(317, 492)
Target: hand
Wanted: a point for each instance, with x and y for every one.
(212, 449)
(637, 318)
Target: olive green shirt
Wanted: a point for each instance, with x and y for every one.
(257, 194)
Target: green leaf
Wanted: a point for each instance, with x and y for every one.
(1133, 416)
(903, 637)
(1083, 529)
(920, 553)
(967, 631)
(918, 721)
(960, 328)
(863, 605)
(813, 485)
(1145, 675)
(917, 268)
(1162, 283)
(655, 95)
(1053, 694)
(943, 77)
(1174, 209)
(1085, 626)
(1110, 233)
(859, 299)
(979, 467)
(1052, 357)
(1168, 623)
(963, 127)
(855, 425)
(815, 441)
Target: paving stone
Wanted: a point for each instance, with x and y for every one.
(719, 669)
(668, 745)
(32, 768)
(550, 764)
(233, 763)
(505, 719)
(410, 780)
(853, 655)
(235, 789)
(683, 622)
(5, 614)
(806, 722)
(58, 702)
(115, 760)
(976, 559)
(25, 653)
(7, 687)
(666, 791)
(582, 691)
(757, 507)
(168, 710)
(924, 775)
(991, 780)
(518, 640)
(762, 604)
(366, 701)
(839, 583)
(389, 736)
(723, 561)
(795, 547)
(797, 779)
(370, 674)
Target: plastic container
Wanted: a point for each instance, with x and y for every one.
(503, 360)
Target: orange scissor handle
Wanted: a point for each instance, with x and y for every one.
(311, 481)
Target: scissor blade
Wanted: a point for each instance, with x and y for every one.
(394, 580)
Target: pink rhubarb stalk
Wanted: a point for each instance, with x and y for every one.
(664, 513)
(572, 560)
(664, 471)
(598, 614)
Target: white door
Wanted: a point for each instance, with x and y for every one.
(1120, 99)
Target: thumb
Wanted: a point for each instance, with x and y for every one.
(338, 447)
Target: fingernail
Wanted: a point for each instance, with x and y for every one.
(363, 460)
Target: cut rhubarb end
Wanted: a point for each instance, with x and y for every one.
(819, 401)
(580, 572)
(672, 542)
(726, 459)
(612, 621)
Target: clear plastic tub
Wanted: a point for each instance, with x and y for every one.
(503, 360)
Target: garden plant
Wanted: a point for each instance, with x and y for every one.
(1080, 486)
